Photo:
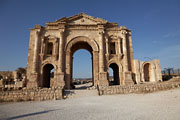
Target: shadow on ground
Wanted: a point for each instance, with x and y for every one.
(30, 114)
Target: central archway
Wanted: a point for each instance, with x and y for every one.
(82, 69)
(74, 45)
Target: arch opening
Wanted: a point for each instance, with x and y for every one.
(114, 79)
(48, 75)
(147, 72)
(82, 69)
(82, 82)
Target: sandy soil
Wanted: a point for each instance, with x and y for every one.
(163, 105)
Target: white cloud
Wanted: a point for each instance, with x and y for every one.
(154, 41)
(172, 34)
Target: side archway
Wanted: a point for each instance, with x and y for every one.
(115, 80)
(47, 75)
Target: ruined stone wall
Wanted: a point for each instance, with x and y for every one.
(154, 71)
(138, 88)
(7, 74)
(37, 94)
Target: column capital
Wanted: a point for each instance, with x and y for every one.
(101, 32)
(123, 32)
(38, 32)
(61, 31)
(106, 38)
(119, 39)
(129, 33)
(68, 52)
(95, 52)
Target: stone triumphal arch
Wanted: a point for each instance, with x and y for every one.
(51, 50)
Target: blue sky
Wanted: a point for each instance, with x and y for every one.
(154, 23)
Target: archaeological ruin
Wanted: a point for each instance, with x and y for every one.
(51, 48)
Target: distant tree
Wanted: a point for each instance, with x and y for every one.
(178, 71)
(169, 70)
(172, 71)
(1, 77)
(21, 70)
(163, 72)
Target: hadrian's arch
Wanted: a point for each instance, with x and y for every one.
(52, 47)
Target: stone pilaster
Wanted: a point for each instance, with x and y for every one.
(61, 51)
(103, 80)
(119, 45)
(59, 82)
(95, 67)
(125, 58)
(107, 45)
(131, 51)
(68, 70)
(34, 75)
(127, 74)
(56, 49)
(35, 57)
(101, 51)
(107, 48)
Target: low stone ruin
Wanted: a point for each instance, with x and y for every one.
(12, 80)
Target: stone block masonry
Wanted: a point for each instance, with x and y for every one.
(138, 88)
(38, 94)
(51, 48)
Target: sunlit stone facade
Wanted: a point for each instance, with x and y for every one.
(53, 46)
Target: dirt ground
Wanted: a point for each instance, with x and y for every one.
(164, 105)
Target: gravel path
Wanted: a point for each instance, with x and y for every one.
(163, 105)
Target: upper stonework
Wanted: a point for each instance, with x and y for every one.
(53, 46)
(82, 18)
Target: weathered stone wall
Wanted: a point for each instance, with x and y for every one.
(38, 94)
(154, 71)
(138, 88)
(67, 35)
(6, 74)
(107, 43)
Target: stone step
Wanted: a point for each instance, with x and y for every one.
(79, 93)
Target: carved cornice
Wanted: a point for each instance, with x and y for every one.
(38, 27)
(50, 39)
(114, 38)
(61, 26)
(123, 28)
(124, 32)
(101, 32)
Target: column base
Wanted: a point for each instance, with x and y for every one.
(103, 81)
(128, 78)
(59, 82)
(33, 81)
